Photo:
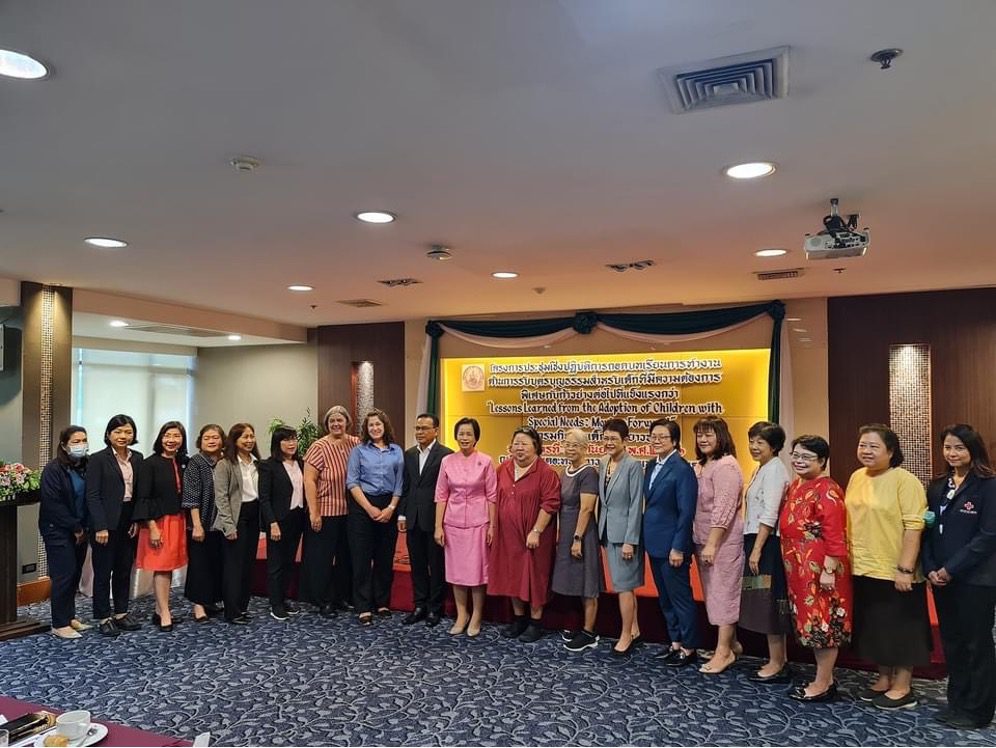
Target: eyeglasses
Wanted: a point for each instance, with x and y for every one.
(797, 457)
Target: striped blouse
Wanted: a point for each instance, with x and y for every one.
(330, 457)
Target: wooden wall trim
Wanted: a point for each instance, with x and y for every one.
(34, 592)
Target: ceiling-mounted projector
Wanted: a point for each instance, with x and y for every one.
(839, 238)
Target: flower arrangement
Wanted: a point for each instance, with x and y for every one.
(15, 479)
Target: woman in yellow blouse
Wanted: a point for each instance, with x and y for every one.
(885, 508)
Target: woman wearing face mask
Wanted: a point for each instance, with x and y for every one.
(577, 569)
(620, 522)
(885, 508)
(236, 498)
(162, 539)
(111, 477)
(204, 544)
(718, 536)
(521, 556)
(959, 558)
(62, 523)
(466, 496)
(813, 526)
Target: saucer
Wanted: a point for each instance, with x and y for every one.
(96, 733)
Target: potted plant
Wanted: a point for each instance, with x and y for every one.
(307, 431)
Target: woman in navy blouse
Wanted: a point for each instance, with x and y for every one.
(959, 559)
(374, 478)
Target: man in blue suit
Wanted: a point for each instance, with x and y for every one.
(671, 491)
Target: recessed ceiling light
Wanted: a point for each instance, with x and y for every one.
(793, 319)
(770, 252)
(750, 170)
(235, 338)
(805, 340)
(300, 288)
(17, 65)
(375, 216)
(504, 274)
(105, 242)
(799, 329)
(118, 323)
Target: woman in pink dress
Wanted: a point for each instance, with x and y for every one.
(717, 532)
(521, 558)
(466, 492)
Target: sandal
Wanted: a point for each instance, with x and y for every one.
(366, 619)
(384, 612)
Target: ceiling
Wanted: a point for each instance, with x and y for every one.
(530, 135)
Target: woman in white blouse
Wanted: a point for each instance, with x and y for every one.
(236, 494)
(764, 600)
(281, 508)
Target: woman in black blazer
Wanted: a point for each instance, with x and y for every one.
(959, 559)
(281, 507)
(162, 539)
(111, 477)
(62, 523)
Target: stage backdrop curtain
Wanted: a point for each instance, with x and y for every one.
(657, 328)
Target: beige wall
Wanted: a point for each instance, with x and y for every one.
(809, 360)
(256, 384)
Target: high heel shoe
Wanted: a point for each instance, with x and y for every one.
(708, 669)
(457, 629)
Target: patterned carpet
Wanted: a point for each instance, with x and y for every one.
(311, 682)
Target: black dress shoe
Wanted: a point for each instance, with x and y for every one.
(384, 612)
(238, 621)
(799, 694)
(964, 722)
(782, 676)
(213, 610)
(681, 659)
(165, 626)
(328, 611)
(415, 616)
(127, 623)
(432, 619)
(515, 628)
(108, 628)
(624, 652)
(667, 654)
(533, 633)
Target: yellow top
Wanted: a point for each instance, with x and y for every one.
(879, 509)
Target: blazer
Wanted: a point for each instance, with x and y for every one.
(963, 538)
(418, 497)
(57, 510)
(670, 507)
(105, 487)
(275, 490)
(156, 493)
(621, 514)
(228, 495)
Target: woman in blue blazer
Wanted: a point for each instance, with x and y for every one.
(671, 491)
(959, 559)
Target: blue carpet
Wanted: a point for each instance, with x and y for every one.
(310, 681)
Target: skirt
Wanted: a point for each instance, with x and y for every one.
(466, 555)
(172, 554)
(764, 605)
(626, 576)
(891, 628)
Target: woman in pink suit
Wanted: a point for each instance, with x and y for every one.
(466, 492)
(521, 559)
(717, 532)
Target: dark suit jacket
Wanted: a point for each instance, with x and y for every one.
(156, 493)
(967, 545)
(418, 498)
(105, 487)
(275, 491)
(57, 510)
(670, 508)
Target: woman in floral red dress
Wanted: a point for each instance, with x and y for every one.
(814, 547)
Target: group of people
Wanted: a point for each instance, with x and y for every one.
(784, 555)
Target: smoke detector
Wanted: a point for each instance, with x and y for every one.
(439, 252)
(245, 164)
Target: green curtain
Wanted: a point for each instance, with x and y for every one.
(667, 323)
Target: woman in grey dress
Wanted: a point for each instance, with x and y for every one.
(620, 486)
(577, 569)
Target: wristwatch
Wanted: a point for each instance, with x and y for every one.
(577, 538)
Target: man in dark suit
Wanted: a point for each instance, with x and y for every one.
(417, 518)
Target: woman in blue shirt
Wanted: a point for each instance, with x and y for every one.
(62, 522)
(374, 478)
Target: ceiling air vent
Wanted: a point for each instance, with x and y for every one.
(359, 303)
(740, 79)
(399, 282)
(770, 275)
(190, 332)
